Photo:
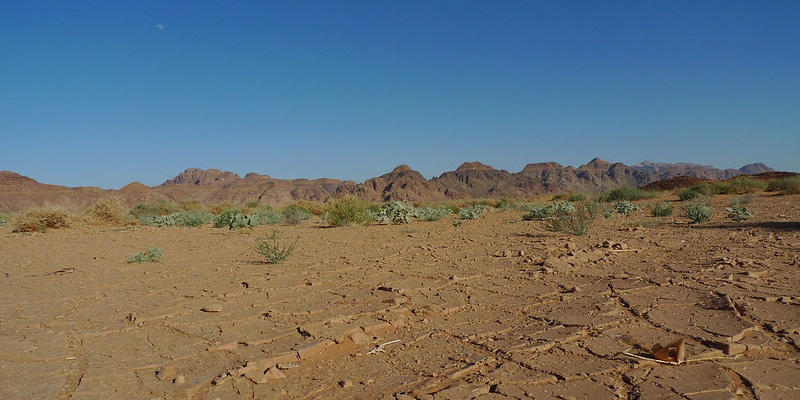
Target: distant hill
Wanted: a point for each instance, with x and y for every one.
(470, 180)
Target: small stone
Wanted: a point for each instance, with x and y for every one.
(165, 372)
(346, 383)
(180, 380)
(288, 365)
(212, 308)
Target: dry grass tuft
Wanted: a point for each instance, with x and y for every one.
(39, 219)
(109, 211)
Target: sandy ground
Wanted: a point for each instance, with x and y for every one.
(496, 308)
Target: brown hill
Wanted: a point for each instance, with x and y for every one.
(470, 180)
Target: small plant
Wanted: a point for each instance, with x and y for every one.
(472, 212)
(698, 211)
(152, 254)
(629, 193)
(346, 211)
(662, 209)
(295, 214)
(432, 213)
(397, 212)
(624, 207)
(738, 213)
(537, 212)
(458, 222)
(3, 220)
(191, 205)
(506, 204)
(576, 221)
(275, 252)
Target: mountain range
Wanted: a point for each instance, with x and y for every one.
(470, 180)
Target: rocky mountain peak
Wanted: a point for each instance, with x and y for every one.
(199, 177)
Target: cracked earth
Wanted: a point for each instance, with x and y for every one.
(496, 308)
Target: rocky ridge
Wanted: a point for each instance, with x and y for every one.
(470, 180)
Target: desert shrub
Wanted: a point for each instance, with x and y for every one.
(624, 207)
(158, 207)
(472, 212)
(40, 219)
(233, 219)
(273, 250)
(689, 194)
(317, 208)
(506, 203)
(221, 208)
(295, 214)
(161, 220)
(738, 213)
(3, 220)
(428, 213)
(252, 204)
(349, 210)
(744, 185)
(629, 193)
(152, 254)
(536, 212)
(698, 211)
(191, 205)
(397, 212)
(576, 197)
(662, 209)
(787, 185)
(542, 211)
(265, 216)
(747, 199)
(595, 209)
(576, 221)
(705, 189)
(194, 218)
(109, 211)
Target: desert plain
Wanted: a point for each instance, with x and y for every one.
(493, 308)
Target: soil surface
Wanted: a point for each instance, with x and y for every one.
(496, 308)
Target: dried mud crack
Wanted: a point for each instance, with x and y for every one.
(487, 310)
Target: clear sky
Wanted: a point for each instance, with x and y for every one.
(104, 93)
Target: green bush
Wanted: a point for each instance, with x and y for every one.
(3, 220)
(233, 219)
(787, 185)
(265, 216)
(705, 189)
(629, 193)
(576, 221)
(542, 211)
(624, 207)
(738, 213)
(576, 197)
(295, 214)
(397, 212)
(472, 212)
(194, 218)
(698, 211)
(428, 213)
(349, 210)
(160, 220)
(158, 207)
(274, 251)
(744, 186)
(662, 209)
(152, 254)
(689, 194)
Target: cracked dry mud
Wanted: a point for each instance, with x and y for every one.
(493, 309)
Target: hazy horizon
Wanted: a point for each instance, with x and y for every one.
(105, 94)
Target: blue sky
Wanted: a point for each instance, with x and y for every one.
(104, 93)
